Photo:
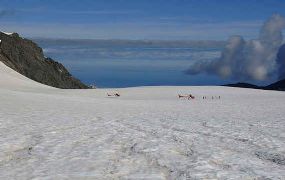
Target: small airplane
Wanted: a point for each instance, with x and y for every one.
(190, 96)
(114, 94)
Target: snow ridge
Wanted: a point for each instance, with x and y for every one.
(7, 33)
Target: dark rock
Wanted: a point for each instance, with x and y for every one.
(279, 85)
(243, 85)
(27, 58)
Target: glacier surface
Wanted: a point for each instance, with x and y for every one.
(147, 133)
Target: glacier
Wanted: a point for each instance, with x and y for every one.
(147, 133)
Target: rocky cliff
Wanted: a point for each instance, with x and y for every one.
(27, 58)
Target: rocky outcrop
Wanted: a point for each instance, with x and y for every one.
(27, 58)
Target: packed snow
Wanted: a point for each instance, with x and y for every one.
(146, 133)
(7, 33)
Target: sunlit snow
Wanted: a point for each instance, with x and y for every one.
(147, 133)
(7, 33)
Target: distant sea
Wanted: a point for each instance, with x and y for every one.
(118, 63)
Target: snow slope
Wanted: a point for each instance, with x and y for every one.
(147, 133)
(12, 80)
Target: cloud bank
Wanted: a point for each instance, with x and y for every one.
(281, 62)
(249, 60)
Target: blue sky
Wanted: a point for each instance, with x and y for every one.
(137, 19)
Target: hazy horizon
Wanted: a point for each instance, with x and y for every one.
(108, 63)
(244, 36)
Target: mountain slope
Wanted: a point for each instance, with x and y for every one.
(279, 85)
(25, 57)
(243, 85)
(12, 80)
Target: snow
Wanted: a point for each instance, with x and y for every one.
(147, 133)
(7, 33)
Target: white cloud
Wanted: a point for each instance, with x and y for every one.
(247, 60)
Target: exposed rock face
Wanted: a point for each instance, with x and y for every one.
(27, 58)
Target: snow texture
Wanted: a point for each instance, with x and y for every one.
(147, 133)
(7, 33)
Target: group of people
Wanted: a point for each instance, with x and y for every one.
(213, 97)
